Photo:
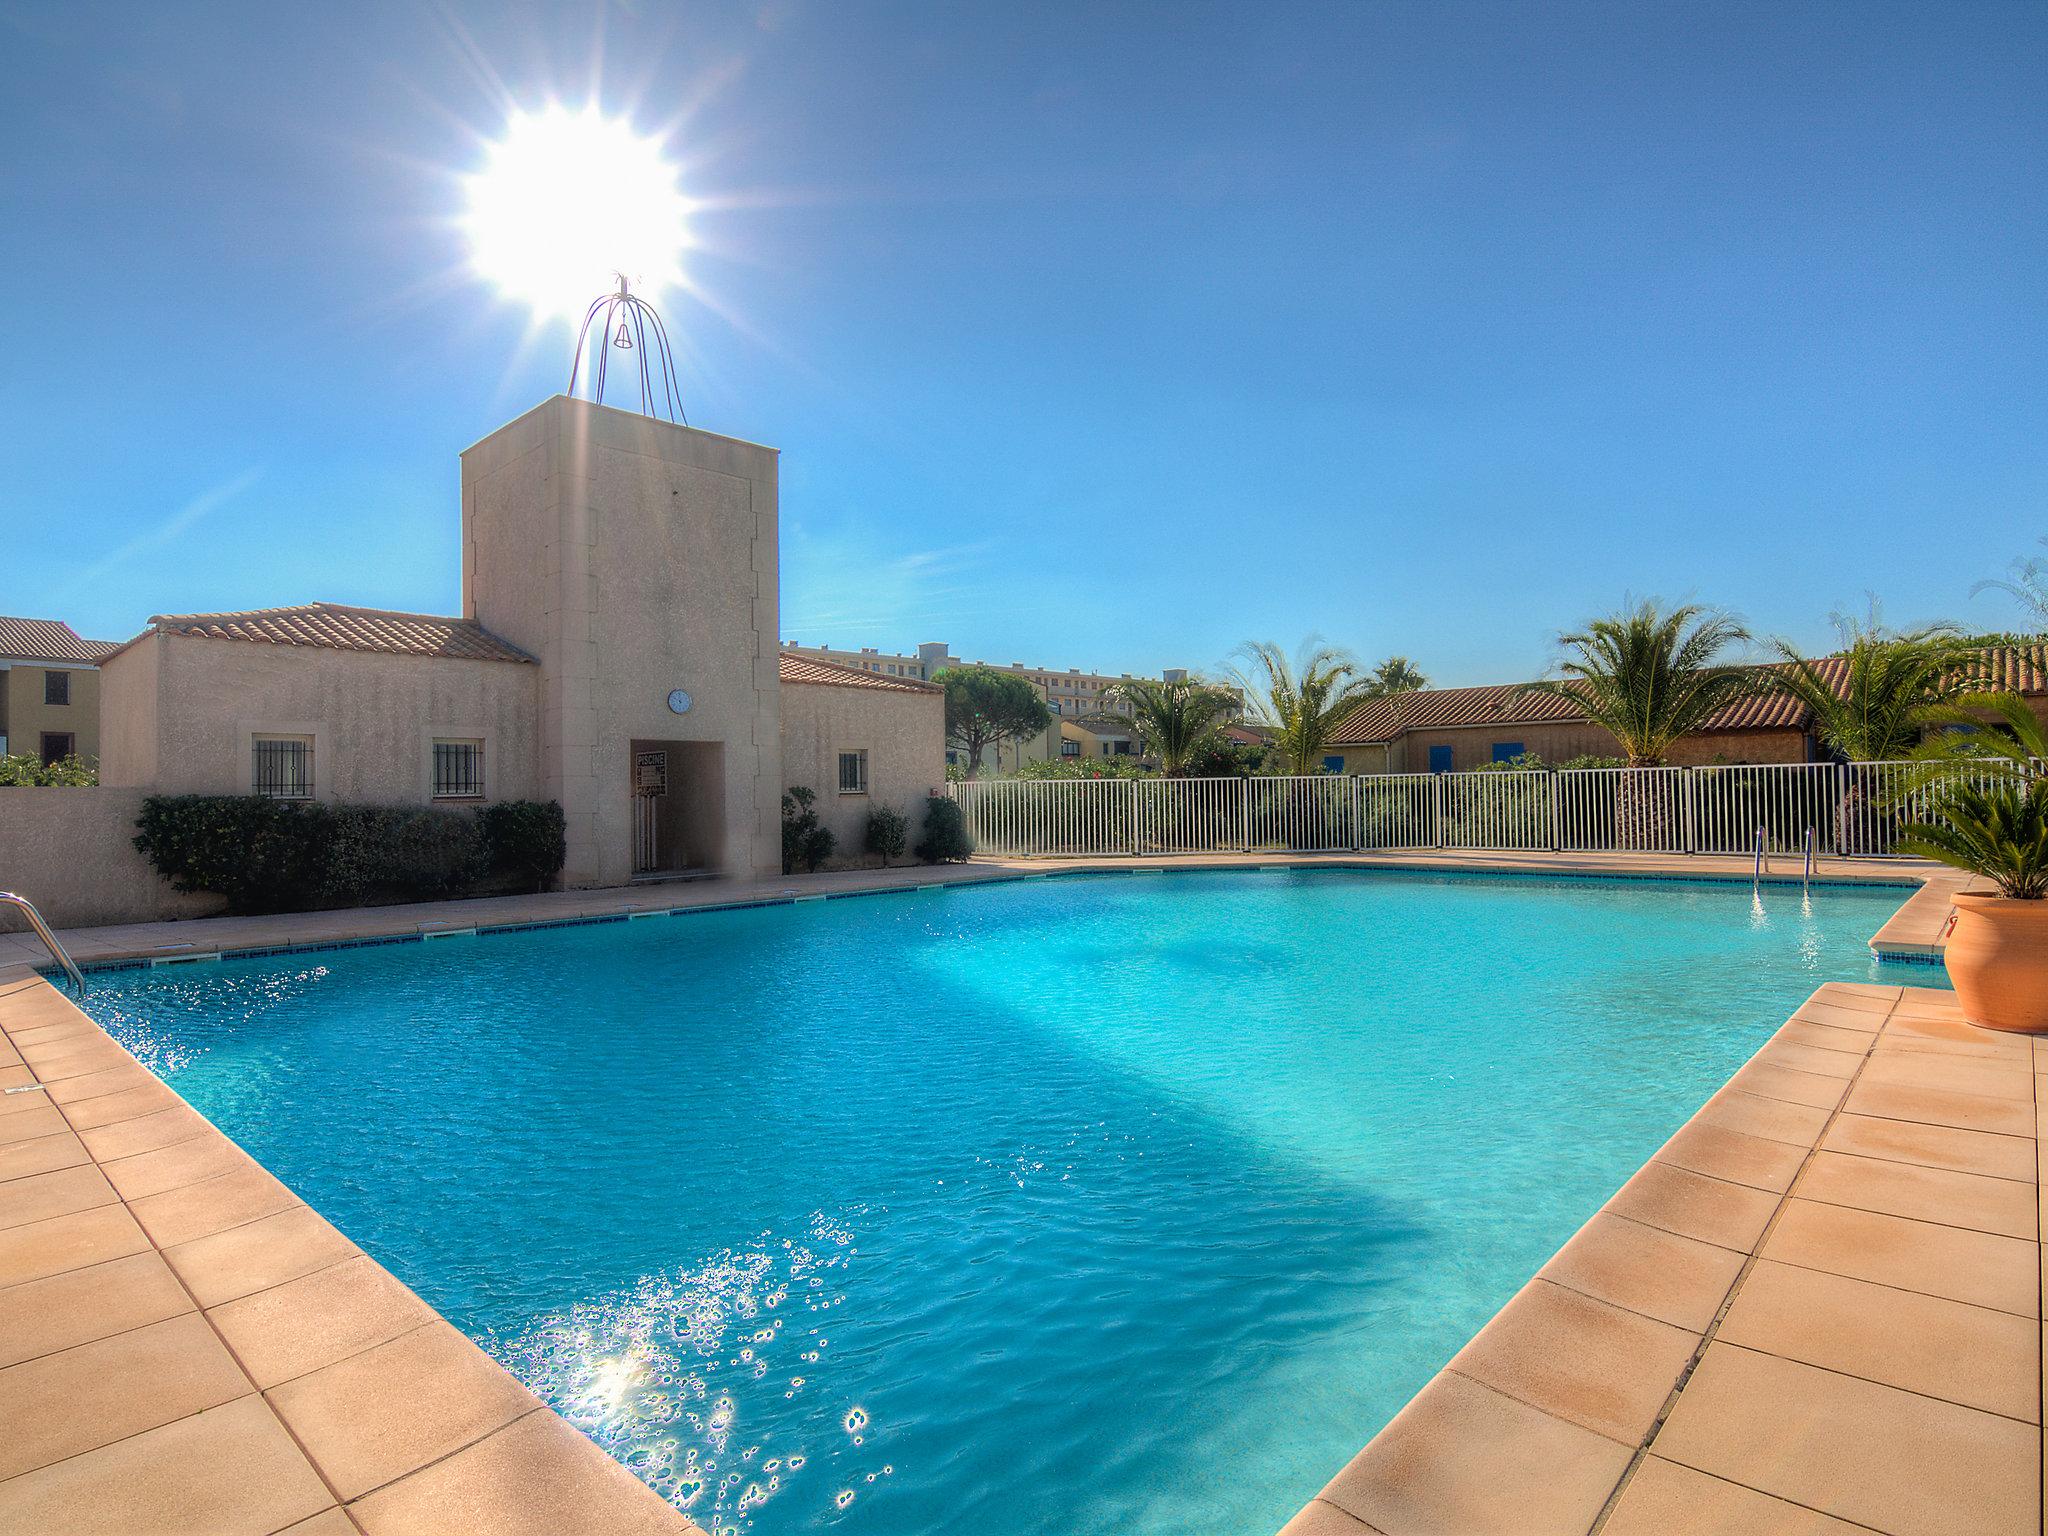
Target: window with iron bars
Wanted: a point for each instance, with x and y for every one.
(853, 773)
(283, 767)
(458, 770)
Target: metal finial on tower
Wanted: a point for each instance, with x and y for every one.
(637, 326)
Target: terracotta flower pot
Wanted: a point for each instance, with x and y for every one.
(1997, 956)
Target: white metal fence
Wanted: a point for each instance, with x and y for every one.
(1854, 810)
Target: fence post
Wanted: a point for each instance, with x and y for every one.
(1134, 818)
(1688, 798)
(1436, 806)
(1244, 813)
(1357, 814)
(1556, 781)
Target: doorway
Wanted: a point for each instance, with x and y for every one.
(678, 792)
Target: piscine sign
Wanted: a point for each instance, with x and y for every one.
(679, 702)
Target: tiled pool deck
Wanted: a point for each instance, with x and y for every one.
(1817, 1310)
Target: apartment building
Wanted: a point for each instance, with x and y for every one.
(1085, 710)
(49, 690)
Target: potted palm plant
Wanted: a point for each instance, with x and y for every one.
(1987, 790)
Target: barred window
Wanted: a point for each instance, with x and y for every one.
(283, 767)
(458, 770)
(853, 773)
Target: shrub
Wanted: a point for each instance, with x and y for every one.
(405, 850)
(268, 855)
(805, 844)
(24, 768)
(888, 833)
(263, 855)
(527, 841)
(945, 832)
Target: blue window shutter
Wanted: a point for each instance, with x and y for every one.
(1506, 751)
(1439, 759)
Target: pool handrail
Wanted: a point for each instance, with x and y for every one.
(57, 950)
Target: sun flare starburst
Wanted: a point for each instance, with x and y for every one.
(566, 200)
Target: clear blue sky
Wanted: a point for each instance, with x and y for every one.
(1094, 335)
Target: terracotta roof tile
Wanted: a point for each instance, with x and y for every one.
(2023, 669)
(802, 669)
(337, 627)
(48, 640)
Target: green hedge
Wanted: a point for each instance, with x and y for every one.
(284, 856)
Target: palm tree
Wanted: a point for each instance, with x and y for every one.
(1173, 718)
(1651, 675)
(1302, 701)
(1871, 700)
(1397, 674)
(2029, 584)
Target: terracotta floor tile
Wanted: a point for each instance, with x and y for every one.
(230, 1471)
(98, 1056)
(1938, 1106)
(1807, 1058)
(112, 1108)
(41, 1154)
(1602, 1368)
(1462, 1460)
(1907, 1043)
(43, 1248)
(1933, 1146)
(258, 1255)
(175, 1166)
(536, 1477)
(1845, 1018)
(1772, 1119)
(80, 1305)
(115, 1078)
(41, 1196)
(304, 1324)
(1692, 1205)
(1826, 1037)
(1664, 1498)
(39, 1117)
(1976, 1267)
(376, 1416)
(329, 1522)
(146, 1133)
(1941, 1029)
(1318, 1518)
(2005, 1206)
(1788, 1084)
(1892, 1460)
(1931, 1069)
(1659, 1274)
(231, 1199)
(1878, 997)
(79, 1399)
(1947, 1349)
(1730, 1155)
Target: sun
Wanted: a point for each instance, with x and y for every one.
(564, 201)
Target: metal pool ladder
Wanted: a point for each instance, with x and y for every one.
(57, 951)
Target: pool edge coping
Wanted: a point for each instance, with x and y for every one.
(1914, 934)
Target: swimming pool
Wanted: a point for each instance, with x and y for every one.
(1087, 1204)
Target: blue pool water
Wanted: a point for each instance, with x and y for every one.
(1124, 1204)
